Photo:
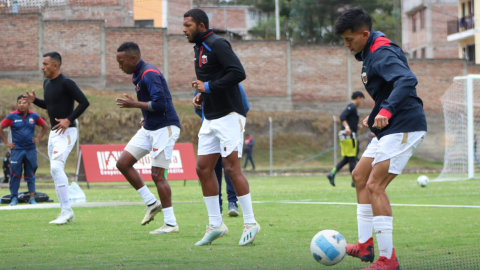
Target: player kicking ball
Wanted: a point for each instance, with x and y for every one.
(399, 123)
(160, 130)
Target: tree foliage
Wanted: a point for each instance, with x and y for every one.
(311, 21)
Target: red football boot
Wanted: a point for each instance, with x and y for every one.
(363, 251)
(385, 264)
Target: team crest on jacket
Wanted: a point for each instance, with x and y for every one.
(364, 78)
(30, 120)
(204, 59)
(137, 88)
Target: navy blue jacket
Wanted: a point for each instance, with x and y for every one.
(390, 82)
(151, 87)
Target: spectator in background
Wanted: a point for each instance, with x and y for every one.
(248, 149)
(348, 136)
(6, 168)
(24, 153)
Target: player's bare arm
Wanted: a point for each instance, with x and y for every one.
(35, 140)
(2, 137)
(347, 131)
(197, 101)
(129, 102)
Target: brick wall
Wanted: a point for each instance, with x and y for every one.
(151, 45)
(83, 3)
(230, 18)
(268, 59)
(434, 78)
(78, 42)
(176, 9)
(19, 45)
(181, 70)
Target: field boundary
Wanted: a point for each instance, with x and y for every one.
(115, 204)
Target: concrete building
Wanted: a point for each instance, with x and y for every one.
(463, 32)
(425, 28)
(150, 13)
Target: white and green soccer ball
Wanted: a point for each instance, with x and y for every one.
(422, 181)
(328, 247)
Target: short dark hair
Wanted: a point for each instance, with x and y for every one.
(357, 94)
(20, 97)
(129, 46)
(55, 56)
(198, 16)
(353, 19)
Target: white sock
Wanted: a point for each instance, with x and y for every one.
(247, 209)
(169, 216)
(147, 196)
(364, 222)
(213, 209)
(383, 230)
(61, 183)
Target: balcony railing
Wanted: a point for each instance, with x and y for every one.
(460, 25)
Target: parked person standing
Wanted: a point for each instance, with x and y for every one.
(249, 143)
(24, 152)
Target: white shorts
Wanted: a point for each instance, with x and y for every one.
(397, 147)
(60, 145)
(158, 142)
(223, 135)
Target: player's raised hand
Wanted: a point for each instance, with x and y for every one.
(380, 121)
(62, 125)
(365, 121)
(126, 102)
(197, 101)
(30, 97)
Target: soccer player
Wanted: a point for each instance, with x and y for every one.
(60, 94)
(232, 196)
(219, 72)
(348, 142)
(158, 134)
(399, 123)
(24, 153)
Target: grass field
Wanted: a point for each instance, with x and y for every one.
(434, 228)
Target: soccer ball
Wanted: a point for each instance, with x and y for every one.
(422, 181)
(328, 247)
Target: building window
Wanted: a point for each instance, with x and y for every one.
(143, 23)
(414, 54)
(422, 18)
(424, 53)
(414, 23)
(252, 14)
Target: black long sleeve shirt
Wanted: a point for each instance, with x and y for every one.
(60, 95)
(219, 67)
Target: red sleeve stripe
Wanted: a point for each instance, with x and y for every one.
(40, 121)
(386, 113)
(380, 41)
(6, 122)
(150, 70)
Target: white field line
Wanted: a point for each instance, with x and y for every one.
(109, 204)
